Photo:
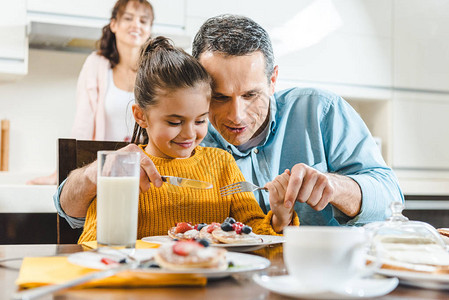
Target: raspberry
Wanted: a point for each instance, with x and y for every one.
(212, 227)
(237, 227)
(184, 248)
(183, 227)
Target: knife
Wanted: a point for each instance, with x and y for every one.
(186, 182)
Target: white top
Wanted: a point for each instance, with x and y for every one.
(118, 111)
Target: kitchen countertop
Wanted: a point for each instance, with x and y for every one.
(18, 197)
(15, 198)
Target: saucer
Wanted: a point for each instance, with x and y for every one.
(356, 289)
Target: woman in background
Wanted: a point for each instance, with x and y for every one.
(105, 85)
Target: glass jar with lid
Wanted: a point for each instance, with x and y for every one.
(407, 245)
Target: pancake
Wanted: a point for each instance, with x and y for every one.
(188, 235)
(206, 233)
(232, 237)
(443, 231)
(183, 255)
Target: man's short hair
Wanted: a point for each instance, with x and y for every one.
(235, 36)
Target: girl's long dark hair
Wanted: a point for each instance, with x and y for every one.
(163, 68)
(106, 45)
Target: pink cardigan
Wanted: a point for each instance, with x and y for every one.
(91, 89)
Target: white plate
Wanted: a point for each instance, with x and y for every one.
(241, 263)
(267, 240)
(92, 259)
(357, 289)
(419, 279)
(423, 276)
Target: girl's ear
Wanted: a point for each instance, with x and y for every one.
(139, 116)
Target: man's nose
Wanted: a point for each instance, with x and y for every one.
(237, 111)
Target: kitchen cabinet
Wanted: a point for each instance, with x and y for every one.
(83, 9)
(13, 40)
(419, 150)
(421, 44)
(171, 14)
(346, 42)
(420, 131)
(353, 46)
(421, 96)
(65, 22)
(28, 228)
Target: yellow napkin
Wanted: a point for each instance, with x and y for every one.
(139, 245)
(38, 271)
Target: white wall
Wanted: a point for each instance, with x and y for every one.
(41, 108)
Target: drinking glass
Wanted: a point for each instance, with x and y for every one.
(117, 198)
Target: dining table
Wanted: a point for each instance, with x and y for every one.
(239, 286)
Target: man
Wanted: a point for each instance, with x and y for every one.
(331, 155)
(336, 173)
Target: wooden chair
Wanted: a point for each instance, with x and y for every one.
(73, 154)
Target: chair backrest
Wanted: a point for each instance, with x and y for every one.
(73, 154)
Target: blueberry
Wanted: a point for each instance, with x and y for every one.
(156, 266)
(229, 220)
(201, 226)
(246, 229)
(225, 226)
(204, 242)
(175, 240)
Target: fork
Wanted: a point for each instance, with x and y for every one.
(240, 187)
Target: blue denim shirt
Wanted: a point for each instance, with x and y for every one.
(322, 130)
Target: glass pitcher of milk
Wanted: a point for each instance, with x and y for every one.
(117, 198)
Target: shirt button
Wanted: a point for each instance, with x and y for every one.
(256, 150)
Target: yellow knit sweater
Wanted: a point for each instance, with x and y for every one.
(160, 208)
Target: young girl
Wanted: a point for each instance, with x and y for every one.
(172, 95)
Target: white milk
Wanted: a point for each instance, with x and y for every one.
(117, 205)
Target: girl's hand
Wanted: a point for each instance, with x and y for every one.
(282, 214)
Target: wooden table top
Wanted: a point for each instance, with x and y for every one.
(237, 287)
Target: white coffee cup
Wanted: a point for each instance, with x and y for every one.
(326, 258)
